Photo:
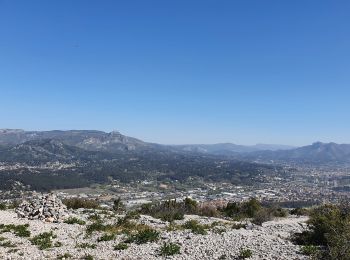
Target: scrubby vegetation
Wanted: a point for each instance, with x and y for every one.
(245, 253)
(106, 237)
(121, 246)
(300, 211)
(43, 240)
(143, 236)
(196, 227)
(3, 206)
(309, 250)
(74, 220)
(173, 210)
(76, 203)
(86, 245)
(118, 205)
(88, 257)
(121, 226)
(18, 230)
(169, 249)
(329, 233)
(253, 209)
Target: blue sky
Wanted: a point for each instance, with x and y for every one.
(179, 71)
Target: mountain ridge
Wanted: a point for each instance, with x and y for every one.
(117, 143)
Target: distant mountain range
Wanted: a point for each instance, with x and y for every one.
(317, 153)
(92, 144)
(85, 139)
(230, 149)
(47, 160)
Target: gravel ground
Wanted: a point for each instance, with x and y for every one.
(269, 241)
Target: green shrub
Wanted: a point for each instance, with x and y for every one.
(300, 211)
(329, 229)
(251, 207)
(74, 220)
(3, 206)
(279, 212)
(208, 211)
(106, 237)
(143, 236)
(77, 203)
(88, 257)
(18, 230)
(262, 216)
(86, 245)
(245, 253)
(309, 250)
(246, 209)
(118, 205)
(170, 210)
(169, 249)
(195, 227)
(96, 226)
(43, 240)
(121, 246)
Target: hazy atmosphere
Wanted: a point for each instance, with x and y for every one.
(178, 72)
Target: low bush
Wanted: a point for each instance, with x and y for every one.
(88, 257)
(86, 245)
(18, 230)
(195, 227)
(43, 240)
(121, 246)
(77, 203)
(96, 226)
(74, 220)
(253, 209)
(143, 236)
(245, 253)
(118, 205)
(309, 250)
(262, 216)
(3, 206)
(300, 211)
(329, 230)
(106, 237)
(169, 249)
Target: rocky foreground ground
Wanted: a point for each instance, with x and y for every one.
(71, 241)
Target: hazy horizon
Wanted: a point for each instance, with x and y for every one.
(183, 72)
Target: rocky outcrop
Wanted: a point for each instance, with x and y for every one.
(46, 207)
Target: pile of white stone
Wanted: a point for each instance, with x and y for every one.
(45, 207)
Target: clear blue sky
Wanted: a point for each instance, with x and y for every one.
(179, 71)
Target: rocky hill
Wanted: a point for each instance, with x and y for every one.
(81, 236)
